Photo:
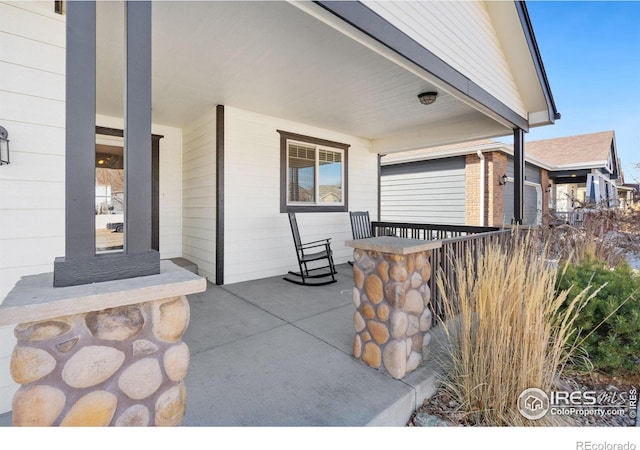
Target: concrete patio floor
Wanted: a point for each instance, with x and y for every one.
(271, 353)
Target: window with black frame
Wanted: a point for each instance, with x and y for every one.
(313, 174)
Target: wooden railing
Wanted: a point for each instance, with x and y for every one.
(445, 259)
(573, 218)
(456, 241)
(425, 231)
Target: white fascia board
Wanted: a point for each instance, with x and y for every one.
(539, 119)
(484, 148)
(581, 166)
(445, 153)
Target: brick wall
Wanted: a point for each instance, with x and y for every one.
(472, 189)
(496, 168)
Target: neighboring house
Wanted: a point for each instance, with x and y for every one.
(251, 102)
(330, 194)
(585, 169)
(472, 183)
(629, 195)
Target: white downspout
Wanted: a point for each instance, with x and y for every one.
(481, 156)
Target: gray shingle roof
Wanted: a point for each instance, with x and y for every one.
(562, 152)
(570, 150)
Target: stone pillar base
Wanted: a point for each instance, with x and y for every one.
(120, 366)
(391, 296)
(102, 354)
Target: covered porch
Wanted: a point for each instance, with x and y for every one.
(230, 86)
(231, 82)
(269, 353)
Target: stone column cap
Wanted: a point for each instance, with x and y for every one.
(34, 298)
(392, 244)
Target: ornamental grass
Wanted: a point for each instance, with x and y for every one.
(507, 330)
(605, 234)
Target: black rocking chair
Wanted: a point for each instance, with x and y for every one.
(306, 276)
(360, 225)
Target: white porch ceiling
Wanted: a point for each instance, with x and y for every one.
(273, 58)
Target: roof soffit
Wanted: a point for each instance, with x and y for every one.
(276, 59)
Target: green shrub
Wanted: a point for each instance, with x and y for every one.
(610, 321)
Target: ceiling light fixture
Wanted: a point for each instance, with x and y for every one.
(427, 98)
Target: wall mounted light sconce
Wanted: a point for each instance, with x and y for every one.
(4, 146)
(503, 180)
(427, 98)
(549, 187)
(109, 161)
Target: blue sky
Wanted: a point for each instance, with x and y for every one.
(591, 53)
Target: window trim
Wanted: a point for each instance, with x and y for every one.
(286, 136)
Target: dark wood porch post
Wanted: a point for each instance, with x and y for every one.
(518, 175)
(81, 265)
(80, 130)
(220, 195)
(137, 128)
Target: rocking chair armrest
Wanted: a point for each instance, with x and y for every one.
(320, 243)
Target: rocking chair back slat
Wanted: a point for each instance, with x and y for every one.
(360, 224)
(294, 230)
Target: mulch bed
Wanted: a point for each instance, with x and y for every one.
(443, 410)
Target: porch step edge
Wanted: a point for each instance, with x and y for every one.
(185, 264)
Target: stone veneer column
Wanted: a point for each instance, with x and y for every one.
(121, 366)
(391, 294)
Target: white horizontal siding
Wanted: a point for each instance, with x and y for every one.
(32, 111)
(462, 35)
(199, 194)
(20, 107)
(31, 81)
(170, 217)
(258, 241)
(33, 20)
(32, 90)
(33, 54)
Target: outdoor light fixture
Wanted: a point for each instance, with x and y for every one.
(427, 98)
(4, 146)
(503, 180)
(109, 161)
